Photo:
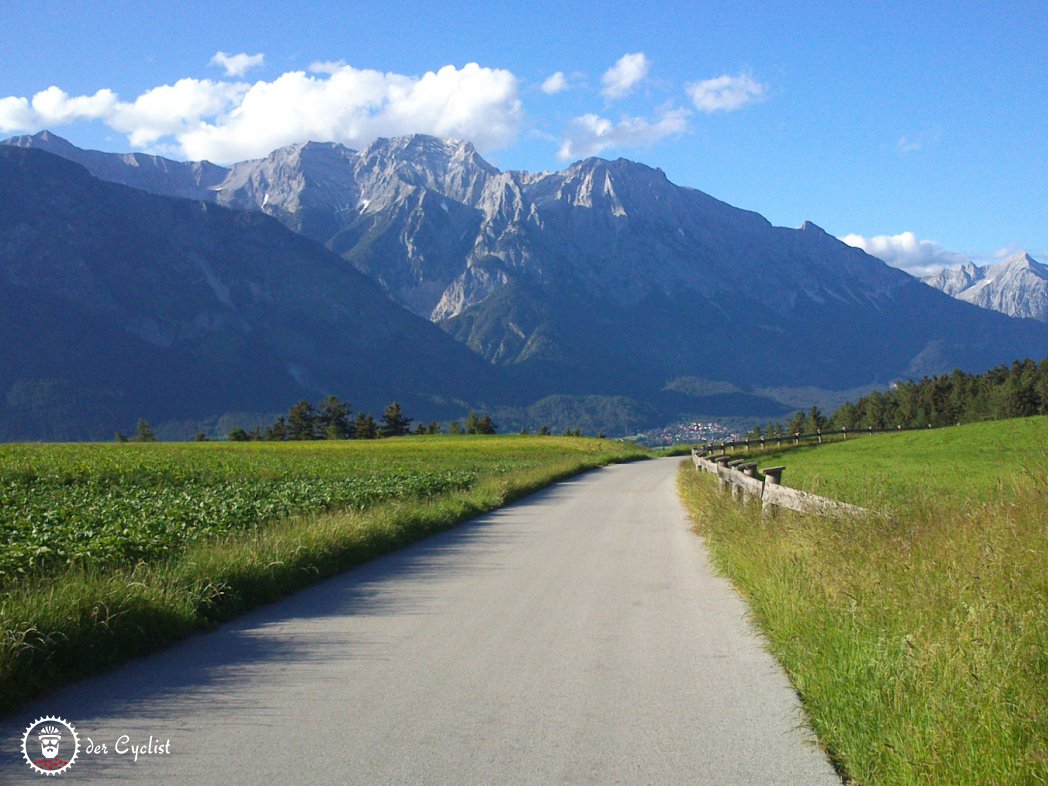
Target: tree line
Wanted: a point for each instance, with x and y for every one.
(331, 419)
(1019, 390)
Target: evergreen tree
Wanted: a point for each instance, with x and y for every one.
(846, 417)
(364, 427)
(796, 424)
(433, 428)
(455, 427)
(471, 423)
(333, 418)
(200, 437)
(278, 431)
(237, 434)
(394, 422)
(544, 431)
(302, 421)
(814, 421)
(874, 415)
(485, 425)
(144, 432)
(120, 437)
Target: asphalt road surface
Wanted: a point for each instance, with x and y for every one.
(578, 636)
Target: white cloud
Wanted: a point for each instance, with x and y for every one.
(907, 252)
(621, 78)
(15, 114)
(237, 65)
(53, 107)
(726, 93)
(907, 145)
(590, 135)
(174, 110)
(230, 121)
(326, 66)
(555, 83)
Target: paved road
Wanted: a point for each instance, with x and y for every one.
(575, 637)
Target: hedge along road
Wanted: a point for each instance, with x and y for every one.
(577, 636)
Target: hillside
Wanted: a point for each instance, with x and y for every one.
(117, 304)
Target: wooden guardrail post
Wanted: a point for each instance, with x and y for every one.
(773, 475)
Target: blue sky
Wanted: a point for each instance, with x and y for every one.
(921, 124)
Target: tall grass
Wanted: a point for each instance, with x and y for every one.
(88, 618)
(917, 641)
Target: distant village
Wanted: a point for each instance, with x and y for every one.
(686, 432)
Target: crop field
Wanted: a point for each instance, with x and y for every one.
(917, 638)
(111, 550)
(118, 504)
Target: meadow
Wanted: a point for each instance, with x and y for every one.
(917, 638)
(111, 551)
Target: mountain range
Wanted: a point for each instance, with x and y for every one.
(602, 292)
(1017, 286)
(115, 303)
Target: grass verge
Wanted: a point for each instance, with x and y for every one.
(918, 642)
(87, 619)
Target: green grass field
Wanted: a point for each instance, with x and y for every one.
(110, 551)
(918, 640)
(973, 462)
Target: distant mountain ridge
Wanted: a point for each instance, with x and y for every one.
(441, 229)
(115, 303)
(604, 279)
(1016, 286)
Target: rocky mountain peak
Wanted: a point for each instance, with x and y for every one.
(43, 140)
(450, 167)
(1019, 262)
(1017, 286)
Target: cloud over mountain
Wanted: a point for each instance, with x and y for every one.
(907, 252)
(228, 121)
(590, 134)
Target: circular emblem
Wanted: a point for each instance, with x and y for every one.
(50, 745)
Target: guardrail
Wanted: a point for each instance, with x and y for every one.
(797, 438)
(744, 481)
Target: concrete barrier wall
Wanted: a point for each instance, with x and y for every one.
(772, 494)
